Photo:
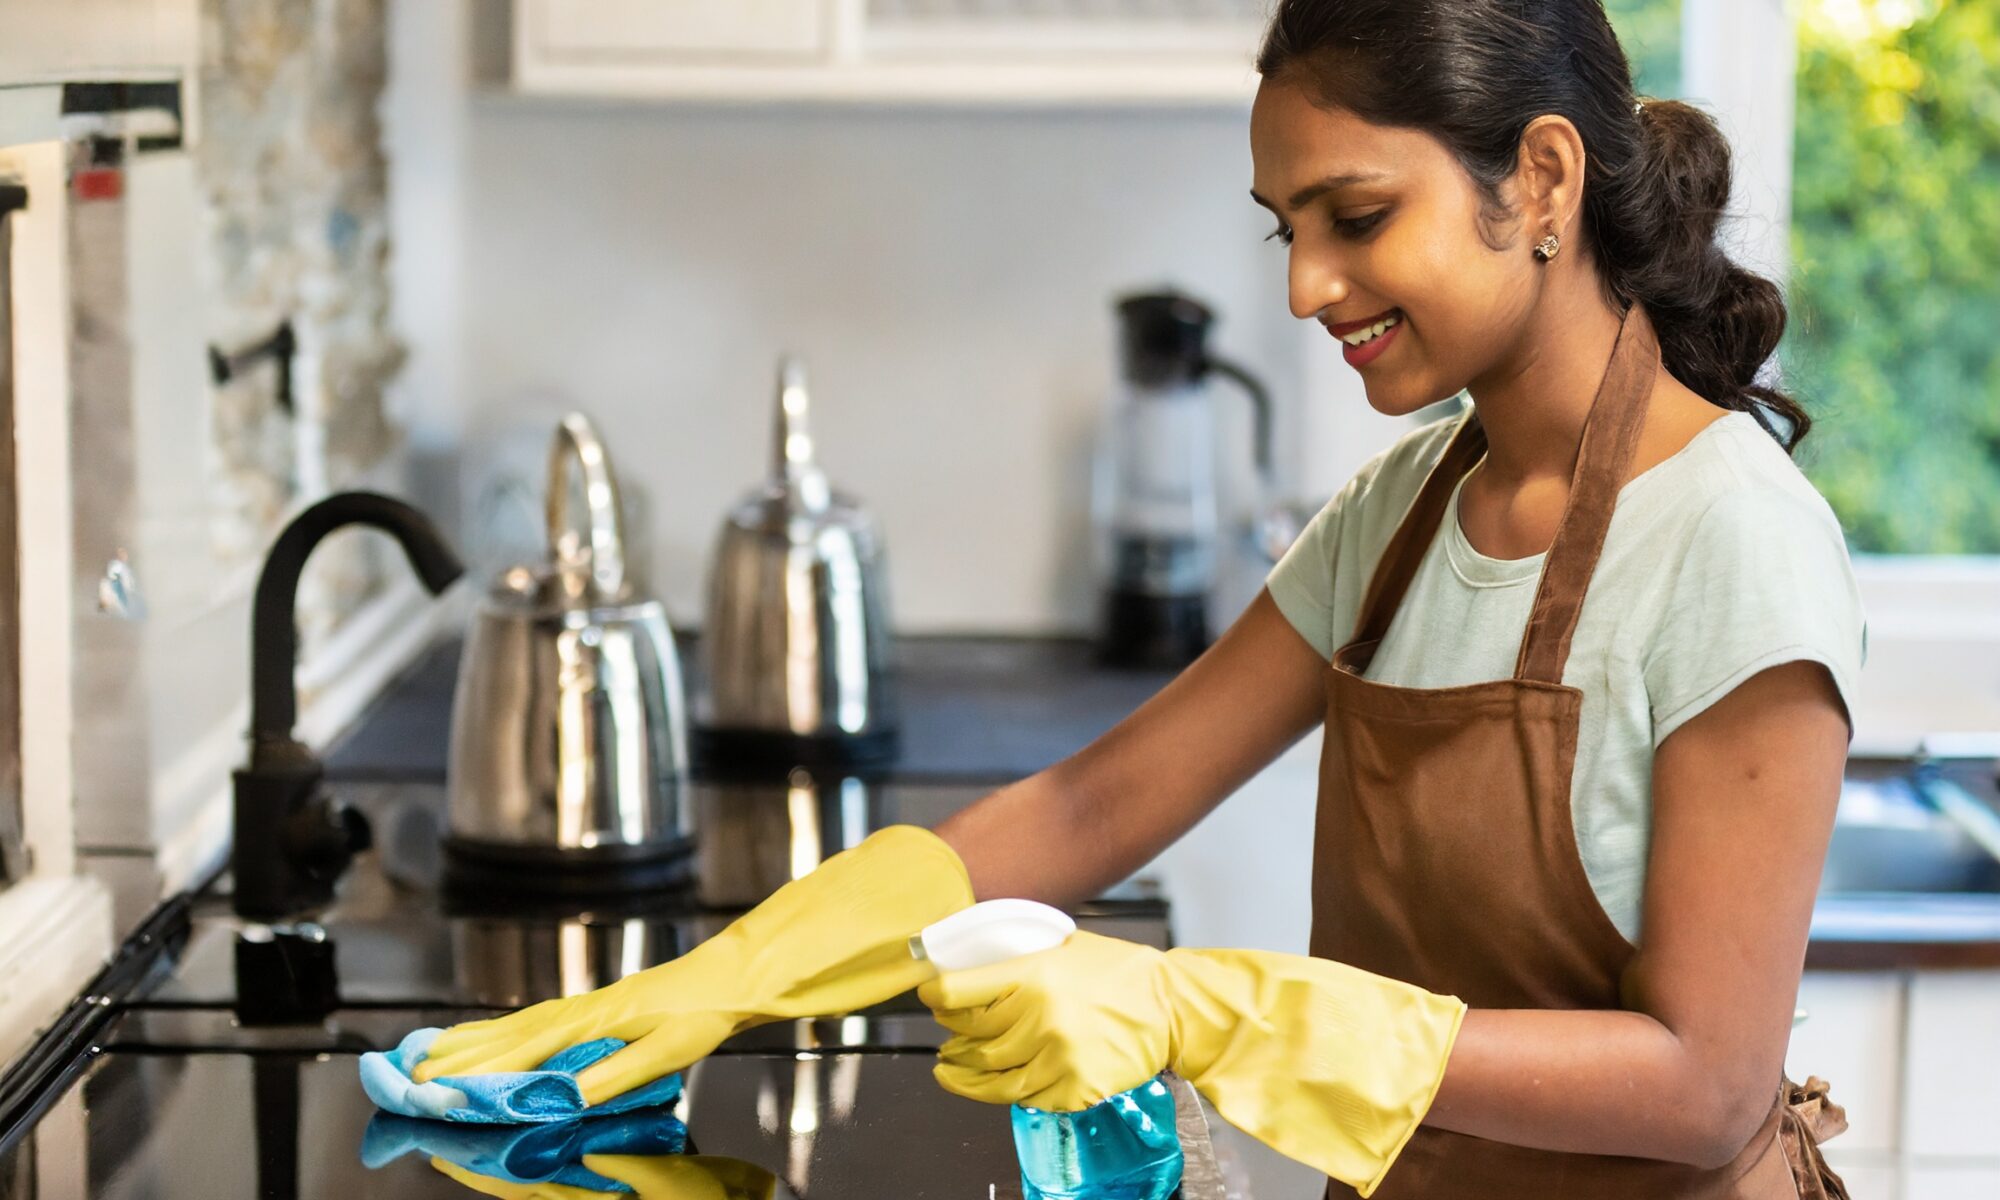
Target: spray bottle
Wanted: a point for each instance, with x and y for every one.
(1125, 1147)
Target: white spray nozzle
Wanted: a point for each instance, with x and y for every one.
(991, 931)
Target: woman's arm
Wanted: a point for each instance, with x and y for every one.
(1743, 805)
(1068, 832)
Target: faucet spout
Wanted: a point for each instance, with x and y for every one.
(292, 839)
(274, 632)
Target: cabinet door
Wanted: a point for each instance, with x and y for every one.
(1954, 1067)
(47, 40)
(1950, 1183)
(1852, 1038)
(663, 30)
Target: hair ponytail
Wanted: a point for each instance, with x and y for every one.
(1474, 73)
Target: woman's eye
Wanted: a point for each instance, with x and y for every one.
(1280, 234)
(1357, 226)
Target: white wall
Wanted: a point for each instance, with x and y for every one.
(948, 275)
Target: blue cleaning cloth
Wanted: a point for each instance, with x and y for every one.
(548, 1093)
(551, 1152)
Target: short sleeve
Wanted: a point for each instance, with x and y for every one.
(1764, 579)
(1301, 584)
(1317, 583)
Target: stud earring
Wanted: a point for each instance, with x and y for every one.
(1546, 248)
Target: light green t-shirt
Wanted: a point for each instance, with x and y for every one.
(1720, 561)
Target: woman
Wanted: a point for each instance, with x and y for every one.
(1582, 655)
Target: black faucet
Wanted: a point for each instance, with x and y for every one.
(292, 839)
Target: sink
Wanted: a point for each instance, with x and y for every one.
(1889, 836)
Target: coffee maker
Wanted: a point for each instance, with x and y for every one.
(1155, 501)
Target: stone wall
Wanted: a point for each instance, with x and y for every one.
(289, 155)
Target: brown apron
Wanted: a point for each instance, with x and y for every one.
(1444, 853)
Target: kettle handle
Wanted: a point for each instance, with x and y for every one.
(576, 444)
(1260, 407)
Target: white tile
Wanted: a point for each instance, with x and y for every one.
(1852, 1038)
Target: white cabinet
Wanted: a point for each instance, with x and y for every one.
(1852, 1038)
(1953, 1046)
(676, 30)
(1914, 1057)
(886, 51)
(44, 41)
(1949, 1183)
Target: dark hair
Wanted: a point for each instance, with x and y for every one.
(1474, 73)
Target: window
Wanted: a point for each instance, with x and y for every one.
(1650, 31)
(1895, 287)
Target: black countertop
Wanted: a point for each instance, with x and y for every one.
(157, 1084)
(175, 1093)
(972, 709)
(982, 711)
(157, 1088)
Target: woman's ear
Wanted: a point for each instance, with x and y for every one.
(1549, 176)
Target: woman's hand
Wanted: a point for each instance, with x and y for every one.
(1329, 1064)
(1060, 1029)
(832, 941)
(662, 1006)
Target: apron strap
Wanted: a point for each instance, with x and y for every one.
(1610, 437)
(1400, 558)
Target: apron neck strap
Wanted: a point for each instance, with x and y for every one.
(1610, 437)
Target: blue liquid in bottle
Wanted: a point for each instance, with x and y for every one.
(1125, 1147)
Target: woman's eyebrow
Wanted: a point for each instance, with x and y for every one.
(1312, 191)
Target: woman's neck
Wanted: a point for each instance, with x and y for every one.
(1534, 403)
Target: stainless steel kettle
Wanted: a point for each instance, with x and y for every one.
(568, 738)
(796, 644)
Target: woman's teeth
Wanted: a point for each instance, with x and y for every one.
(1362, 337)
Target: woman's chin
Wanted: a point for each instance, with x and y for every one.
(1396, 404)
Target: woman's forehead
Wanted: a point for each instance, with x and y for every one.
(1295, 144)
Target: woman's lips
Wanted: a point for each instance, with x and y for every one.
(1362, 355)
(1338, 328)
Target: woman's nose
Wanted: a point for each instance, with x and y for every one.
(1314, 286)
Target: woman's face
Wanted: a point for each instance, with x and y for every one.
(1384, 221)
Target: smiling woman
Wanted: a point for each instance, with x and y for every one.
(1581, 657)
(1378, 114)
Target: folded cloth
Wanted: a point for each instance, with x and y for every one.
(548, 1093)
(551, 1152)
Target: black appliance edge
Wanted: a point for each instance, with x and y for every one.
(33, 1082)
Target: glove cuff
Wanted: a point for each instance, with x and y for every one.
(1328, 1064)
(837, 939)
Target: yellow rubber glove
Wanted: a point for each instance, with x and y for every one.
(831, 942)
(1326, 1063)
(650, 1176)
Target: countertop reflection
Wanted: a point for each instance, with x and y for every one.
(215, 1126)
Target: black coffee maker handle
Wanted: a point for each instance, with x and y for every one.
(1260, 404)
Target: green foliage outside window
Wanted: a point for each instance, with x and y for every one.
(1650, 32)
(1894, 287)
(1894, 340)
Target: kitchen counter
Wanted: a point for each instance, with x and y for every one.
(973, 709)
(157, 1070)
(170, 1091)
(982, 711)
